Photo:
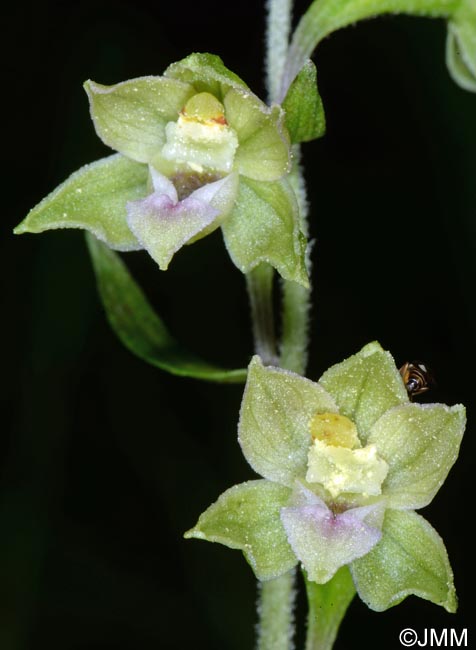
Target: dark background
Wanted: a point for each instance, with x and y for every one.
(105, 461)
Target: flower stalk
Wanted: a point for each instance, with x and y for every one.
(259, 283)
(276, 604)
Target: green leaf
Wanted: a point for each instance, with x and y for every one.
(327, 607)
(264, 227)
(365, 386)
(264, 150)
(139, 328)
(131, 116)
(326, 16)
(420, 443)
(305, 118)
(93, 198)
(274, 423)
(461, 45)
(247, 517)
(207, 73)
(409, 559)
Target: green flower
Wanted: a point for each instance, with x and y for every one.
(346, 462)
(196, 150)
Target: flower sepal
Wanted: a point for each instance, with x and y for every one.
(461, 45)
(264, 226)
(93, 198)
(410, 558)
(247, 517)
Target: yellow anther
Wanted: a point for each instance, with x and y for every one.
(334, 429)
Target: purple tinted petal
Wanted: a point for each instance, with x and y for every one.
(163, 226)
(162, 185)
(324, 541)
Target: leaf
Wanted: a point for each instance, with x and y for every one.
(420, 443)
(93, 198)
(461, 45)
(326, 16)
(328, 604)
(305, 118)
(139, 328)
(409, 559)
(131, 116)
(365, 386)
(264, 227)
(246, 517)
(276, 410)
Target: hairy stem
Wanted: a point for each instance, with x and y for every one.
(296, 298)
(277, 40)
(276, 601)
(276, 597)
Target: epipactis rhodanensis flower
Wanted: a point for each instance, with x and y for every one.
(197, 150)
(346, 462)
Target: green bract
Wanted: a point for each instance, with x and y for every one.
(197, 150)
(344, 462)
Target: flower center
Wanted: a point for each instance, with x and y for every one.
(337, 460)
(201, 139)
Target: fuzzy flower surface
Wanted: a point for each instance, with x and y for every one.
(196, 150)
(345, 463)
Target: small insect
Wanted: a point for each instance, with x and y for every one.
(416, 377)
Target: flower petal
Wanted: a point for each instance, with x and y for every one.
(264, 152)
(276, 411)
(323, 541)
(410, 559)
(131, 116)
(420, 443)
(365, 386)
(163, 225)
(246, 517)
(162, 185)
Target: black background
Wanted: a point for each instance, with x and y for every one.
(105, 461)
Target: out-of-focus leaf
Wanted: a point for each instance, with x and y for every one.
(138, 326)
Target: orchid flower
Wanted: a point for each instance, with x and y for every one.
(196, 150)
(346, 462)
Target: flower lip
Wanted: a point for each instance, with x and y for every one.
(337, 460)
(324, 540)
(163, 224)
